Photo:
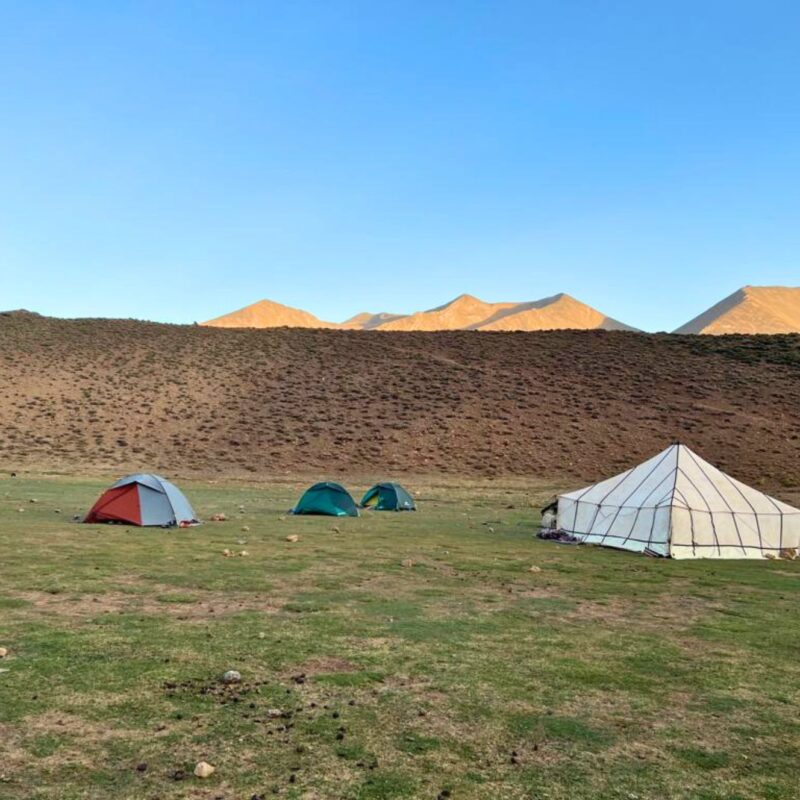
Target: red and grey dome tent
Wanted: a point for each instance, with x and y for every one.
(143, 500)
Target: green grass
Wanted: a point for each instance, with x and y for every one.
(408, 654)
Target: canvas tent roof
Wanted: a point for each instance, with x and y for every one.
(676, 504)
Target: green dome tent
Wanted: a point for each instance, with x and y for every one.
(388, 497)
(326, 498)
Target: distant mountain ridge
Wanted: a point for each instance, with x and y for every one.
(751, 310)
(465, 312)
(268, 314)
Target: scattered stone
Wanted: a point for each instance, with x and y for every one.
(232, 676)
(21, 510)
(56, 510)
(218, 518)
(204, 769)
(3, 652)
(292, 537)
(33, 500)
(262, 635)
(243, 554)
(141, 767)
(274, 713)
(245, 528)
(227, 553)
(534, 568)
(406, 562)
(335, 529)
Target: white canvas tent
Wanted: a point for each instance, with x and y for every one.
(678, 505)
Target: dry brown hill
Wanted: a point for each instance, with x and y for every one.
(121, 395)
(559, 312)
(463, 312)
(752, 309)
(268, 314)
(367, 321)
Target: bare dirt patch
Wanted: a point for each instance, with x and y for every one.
(207, 606)
(322, 666)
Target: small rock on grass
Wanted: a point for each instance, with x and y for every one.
(232, 676)
(3, 652)
(534, 568)
(292, 537)
(406, 562)
(204, 769)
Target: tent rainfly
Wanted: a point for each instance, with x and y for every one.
(676, 504)
(329, 499)
(388, 497)
(143, 500)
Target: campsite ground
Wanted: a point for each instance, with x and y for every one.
(410, 655)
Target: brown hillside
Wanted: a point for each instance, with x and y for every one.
(122, 395)
(753, 309)
(268, 314)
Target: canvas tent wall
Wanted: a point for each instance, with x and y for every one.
(388, 497)
(676, 504)
(142, 500)
(326, 498)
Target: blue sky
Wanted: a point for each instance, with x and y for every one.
(177, 160)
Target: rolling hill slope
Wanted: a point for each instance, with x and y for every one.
(122, 396)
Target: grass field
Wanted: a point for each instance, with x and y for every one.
(391, 656)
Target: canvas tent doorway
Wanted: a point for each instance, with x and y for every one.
(676, 504)
(143, 500)
(326, 498)
(388, 497)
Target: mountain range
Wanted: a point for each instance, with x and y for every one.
(464, 313)
(750, 310)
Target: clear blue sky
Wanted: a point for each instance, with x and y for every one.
(177, 160)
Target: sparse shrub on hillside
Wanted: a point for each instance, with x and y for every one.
(543, 404)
